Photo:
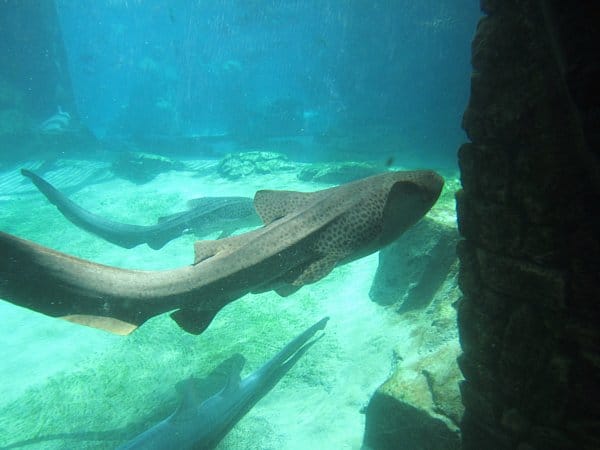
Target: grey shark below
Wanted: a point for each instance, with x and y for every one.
(305, 236)
(206, 215)
(201, 421)
(209, 407)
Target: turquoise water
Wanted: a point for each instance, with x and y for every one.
(84, 84)
(59, 379)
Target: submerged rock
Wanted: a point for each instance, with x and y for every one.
(419, 406)
(239, 165)
(412, 268)
(143, 167)
(338, 173)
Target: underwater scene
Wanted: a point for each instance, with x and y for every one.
(230, 224)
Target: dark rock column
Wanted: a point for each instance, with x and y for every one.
(529, 213)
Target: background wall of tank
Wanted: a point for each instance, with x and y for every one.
(256, 69)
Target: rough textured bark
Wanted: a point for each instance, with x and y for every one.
(529, 214)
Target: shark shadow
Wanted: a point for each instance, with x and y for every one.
(305, 236)
(209, 407)
(206, 215)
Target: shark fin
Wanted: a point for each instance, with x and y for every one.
(199, 389)
(110, 324)
(193, 391)
(316, 270)
(206, 249)
(192, 394)
(233, 381)
(286, 290)
(192, 320)
(220, 376)
(273, 205)
(159, 242)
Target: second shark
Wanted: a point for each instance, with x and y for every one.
(205, 215)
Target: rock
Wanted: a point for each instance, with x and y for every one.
(239, 165)
(413, 268)
(419, 406)
(143, 167)
(409, 411)
(338, 173)
(528, 317)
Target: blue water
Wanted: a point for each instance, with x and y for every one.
(274, 68)
(378, 81)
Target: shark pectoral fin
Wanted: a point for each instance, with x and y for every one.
(110, 324)
(272, 205)
(206, 249)
(159, 242)
(316, 270)
(192, 320)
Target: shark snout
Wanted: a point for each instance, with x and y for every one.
(433, 183)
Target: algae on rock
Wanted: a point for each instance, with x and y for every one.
(239, 165)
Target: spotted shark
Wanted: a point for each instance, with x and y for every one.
(304, 237)
(206, 215)
(201, 421)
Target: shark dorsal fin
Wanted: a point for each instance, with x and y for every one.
(194, 391)
(192, 396)
(272, 205)
(234, 379)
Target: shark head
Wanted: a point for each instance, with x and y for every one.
(410, 195)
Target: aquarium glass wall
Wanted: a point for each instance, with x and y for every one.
(230, 224)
